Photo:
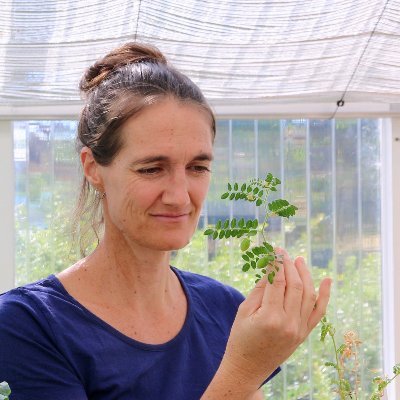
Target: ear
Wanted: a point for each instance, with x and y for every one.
(91, 168)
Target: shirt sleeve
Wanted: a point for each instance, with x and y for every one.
(30, 361)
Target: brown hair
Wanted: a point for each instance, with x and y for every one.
(117, 87)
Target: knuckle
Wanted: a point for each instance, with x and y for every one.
(273, 324)
(280, 282)
(292, 333)
(260, 285)
(297, 285)
(321, 310)
(313, 297)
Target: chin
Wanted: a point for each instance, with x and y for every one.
(171, 245)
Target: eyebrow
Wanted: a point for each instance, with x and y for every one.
(153, 159)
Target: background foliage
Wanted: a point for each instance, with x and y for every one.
(330, 170)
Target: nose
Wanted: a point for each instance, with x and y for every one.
(176, 192)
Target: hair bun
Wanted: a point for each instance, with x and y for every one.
(129, 53)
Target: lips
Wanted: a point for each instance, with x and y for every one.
(171, 217)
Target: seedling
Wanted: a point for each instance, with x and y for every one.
(257, 252)
(346, 366)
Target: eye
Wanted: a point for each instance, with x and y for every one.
(199, 168)
(149, 171)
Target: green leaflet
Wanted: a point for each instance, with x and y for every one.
(245, 244)
(282, 208)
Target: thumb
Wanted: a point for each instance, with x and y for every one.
(254, 299)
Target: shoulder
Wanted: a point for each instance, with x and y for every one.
(20, 298)
(24, 319)
(30, 303)
(209, 288)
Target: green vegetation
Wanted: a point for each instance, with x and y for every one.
(264, 259)
(336, 228)
(4, 391)
(261, 256)
(347, 366)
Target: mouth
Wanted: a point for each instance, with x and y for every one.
(171, 217)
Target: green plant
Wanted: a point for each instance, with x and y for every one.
(261, 257)
(4, 391)
(346, 365)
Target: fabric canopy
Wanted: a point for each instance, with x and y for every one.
(290, 50)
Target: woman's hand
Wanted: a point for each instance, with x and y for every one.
(270, 324)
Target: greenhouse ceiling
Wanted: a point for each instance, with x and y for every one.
(319, 51)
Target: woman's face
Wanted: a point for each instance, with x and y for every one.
(156, 185)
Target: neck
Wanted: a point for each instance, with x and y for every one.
(129, 275)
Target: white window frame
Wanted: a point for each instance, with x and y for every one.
(250, 109)
(7, 226)
(391, 249)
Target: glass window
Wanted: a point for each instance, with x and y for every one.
(45, 192)
(329, 169)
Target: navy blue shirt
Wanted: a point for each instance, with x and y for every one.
(53, 348)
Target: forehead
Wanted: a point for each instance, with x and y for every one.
(169, 125)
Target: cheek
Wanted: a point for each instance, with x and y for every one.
(120, 199)
(137, 198)
(200, 190)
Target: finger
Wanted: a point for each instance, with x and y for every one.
(253, 300)
(321, 303)
(274, 294)
(294, 288)
(309, 295)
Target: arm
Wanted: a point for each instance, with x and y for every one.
(270, 324)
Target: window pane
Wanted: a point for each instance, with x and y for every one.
(329, 170)
(46, 182)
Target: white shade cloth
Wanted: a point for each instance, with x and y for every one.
(292, 50)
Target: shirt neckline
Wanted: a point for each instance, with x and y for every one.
(133, 342)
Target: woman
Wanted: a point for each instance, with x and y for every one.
(121, 323)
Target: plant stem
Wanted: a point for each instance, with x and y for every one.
(264, 223)
(267, 215)
(355, 373)
(339, 370)
(391, 379)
